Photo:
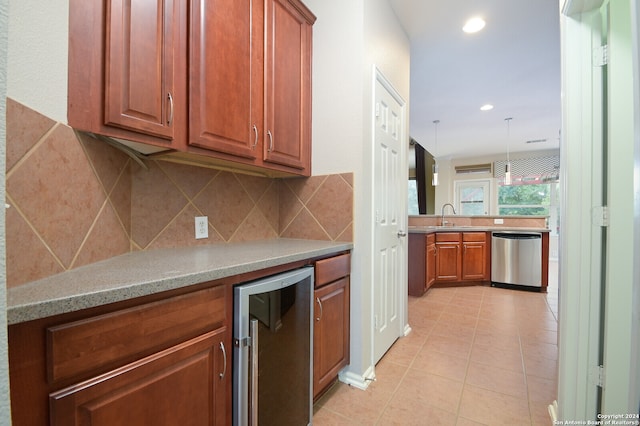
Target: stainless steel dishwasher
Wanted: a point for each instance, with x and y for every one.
(516, 259)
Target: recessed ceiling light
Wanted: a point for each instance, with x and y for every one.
(487, 107)
(474, 25)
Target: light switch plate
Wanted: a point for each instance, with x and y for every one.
(202, 227)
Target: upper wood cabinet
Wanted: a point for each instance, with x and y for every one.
(224, 80)
(287, 125)
(139, 69)
(225, 76)
(126, 70)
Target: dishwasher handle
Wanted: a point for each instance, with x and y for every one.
(517, 235)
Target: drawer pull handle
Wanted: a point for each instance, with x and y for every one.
(224, 358)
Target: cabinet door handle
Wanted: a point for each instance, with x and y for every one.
(319, 304)
(170, 120)
(224, 358)
(270, 140)
(255, 141)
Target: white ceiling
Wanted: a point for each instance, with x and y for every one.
(513, 64)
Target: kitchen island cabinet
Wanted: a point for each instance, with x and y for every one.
(331, 321)
(422, 263)
(448, 257)
(462, 256)
(476, 261)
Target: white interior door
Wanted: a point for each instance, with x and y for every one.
(390, 210)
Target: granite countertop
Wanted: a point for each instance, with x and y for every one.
(148, 272)
(428, 229)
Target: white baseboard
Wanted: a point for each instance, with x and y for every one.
(358, 381)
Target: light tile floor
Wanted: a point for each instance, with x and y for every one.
(475, 356)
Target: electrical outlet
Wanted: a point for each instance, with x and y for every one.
(202, 227)
(498, 221)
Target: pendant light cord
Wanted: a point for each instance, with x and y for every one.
(508, 120)
(436, 122)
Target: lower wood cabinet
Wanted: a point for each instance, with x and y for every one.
(331, 321)
(422, 263)
(163, 360)
(447, 258)
(182, 384)
(431, 257)
(475, 257)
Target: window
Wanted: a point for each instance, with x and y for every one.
(524, 200)
(413, 198)
(472, 197)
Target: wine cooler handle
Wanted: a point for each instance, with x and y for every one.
(253, 403)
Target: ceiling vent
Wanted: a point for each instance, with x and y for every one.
(473, 169)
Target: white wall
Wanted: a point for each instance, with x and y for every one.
(348, 39)
(5, 417)
(37, 57)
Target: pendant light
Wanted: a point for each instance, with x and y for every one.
(507, 167)
(434, 180)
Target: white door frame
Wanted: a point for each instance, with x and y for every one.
(581, 290)
(580, 241)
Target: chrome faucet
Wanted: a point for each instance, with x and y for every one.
(452, 208)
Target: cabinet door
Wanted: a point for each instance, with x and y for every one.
(331, 333)
(224, 63)
(448, 262)
(287, 133)
(187, 384)
(474, 261)
(139, 65)
(431, 265)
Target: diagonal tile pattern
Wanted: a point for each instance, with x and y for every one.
(475, 356)
(75, 200)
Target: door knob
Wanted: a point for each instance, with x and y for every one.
(402, 233)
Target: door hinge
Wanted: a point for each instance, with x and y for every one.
(596, 375)
(600, 216)
(600, 56)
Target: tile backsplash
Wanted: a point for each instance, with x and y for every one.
(77, 201)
